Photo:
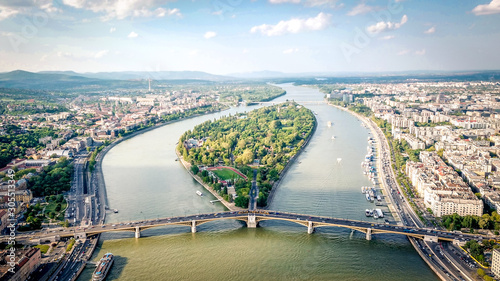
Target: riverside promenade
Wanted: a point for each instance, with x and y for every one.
(381, 150)
(187, 166)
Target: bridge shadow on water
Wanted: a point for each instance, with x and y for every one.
(229, 226)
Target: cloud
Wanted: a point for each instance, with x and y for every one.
(430, 30)
(387, 37)
(11, 8)
(290, 51)
(403, 52)
(209, 34)
(112, 29)
(360, 9)
(101, 54)
(132, 35)
(120, 9)
(309, 3)
(487, 9)
(382, 26)
(245, 51)
(295, 25)
(80, 55)
(420, 52)
(284, 1)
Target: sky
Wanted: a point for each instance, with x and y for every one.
(236, 36)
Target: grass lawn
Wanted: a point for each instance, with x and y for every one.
(51, 207)
(43, 248)
(226, 174)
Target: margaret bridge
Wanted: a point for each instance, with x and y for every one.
(252, 219)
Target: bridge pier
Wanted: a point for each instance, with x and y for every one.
(310, 227)
(193, 226)
(368, 234)
(137, 232)
(251, 222)
(79, 235)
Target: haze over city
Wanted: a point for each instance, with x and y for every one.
(224, 37)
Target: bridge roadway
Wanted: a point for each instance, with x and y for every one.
(252, 219)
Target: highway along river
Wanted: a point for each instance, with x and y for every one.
(144, 181)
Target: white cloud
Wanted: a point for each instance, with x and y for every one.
(6, 12)
(403, 52)
(290, 51)
(321, 21)
(112, 29)
(80, 55)
(309, 3)
(159, 13)
(284, 1)
(11, 8)
(487, 9)
(121, 9)
(101, 54)
(209, 34)
(132, 35)
(360, 9)
(420, 52)
(387, 37)
(430, 30)
(382, 26)
(245, 51)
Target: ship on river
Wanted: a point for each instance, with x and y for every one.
(103, 267)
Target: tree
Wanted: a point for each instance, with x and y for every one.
(195, 169)
(480, 272)
(241, 201)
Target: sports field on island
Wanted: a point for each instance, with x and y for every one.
(226, 174)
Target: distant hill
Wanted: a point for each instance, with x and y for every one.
(28, 80)
(261, 74)
(140, 75)
(69, 80)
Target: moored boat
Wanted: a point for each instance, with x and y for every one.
(199, 193)
(103, 267)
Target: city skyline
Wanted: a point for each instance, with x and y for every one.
(225, 37)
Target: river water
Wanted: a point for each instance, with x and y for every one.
(144, 181)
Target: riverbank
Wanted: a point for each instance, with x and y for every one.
(386, 190)
(187, 166)
(101, 185)
(373, 127)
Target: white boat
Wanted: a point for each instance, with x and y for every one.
(368, 198)
(329, 124)
(333, 137)
(103, 267)
(379, 213)
(368, 212)
(199, 193)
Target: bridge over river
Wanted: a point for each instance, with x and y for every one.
(252, 219)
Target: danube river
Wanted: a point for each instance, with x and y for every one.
(144, 181)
